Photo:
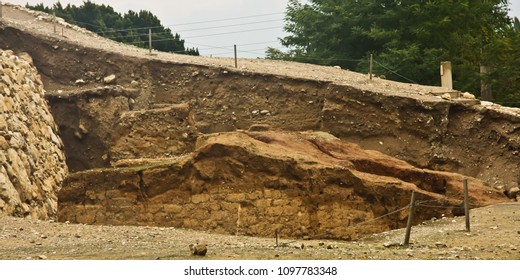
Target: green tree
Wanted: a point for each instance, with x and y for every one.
(503, 58)
(408, 38)
(131, 27)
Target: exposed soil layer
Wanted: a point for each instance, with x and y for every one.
(419, 127)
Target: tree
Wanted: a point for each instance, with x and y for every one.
(408, 37)
(131, 28)
(503, 58)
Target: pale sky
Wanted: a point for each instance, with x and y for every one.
(252, 25)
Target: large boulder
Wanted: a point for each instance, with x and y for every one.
(32, 163)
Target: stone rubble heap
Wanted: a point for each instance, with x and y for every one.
(32, 161)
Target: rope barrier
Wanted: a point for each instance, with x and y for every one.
(361, 223)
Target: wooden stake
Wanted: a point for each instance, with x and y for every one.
(371, 64)
(236, 62)
(410, 220)
(54, 21)
(466, 204)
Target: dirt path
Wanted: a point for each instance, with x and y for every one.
(495, 235)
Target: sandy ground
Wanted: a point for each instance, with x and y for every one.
(495, 235)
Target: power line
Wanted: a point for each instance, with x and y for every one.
(179, 31)
(410, 80)
(214, 34)
(198, 22)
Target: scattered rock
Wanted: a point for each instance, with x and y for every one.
(513, 192)
(80, 82)
(468, 95)
(109, 79)
(440, 245)
(446, 96)
(391, 244)
(259, 127)
(264, 112)
(198, 249)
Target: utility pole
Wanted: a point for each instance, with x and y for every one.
(236, 62)
(150, 40)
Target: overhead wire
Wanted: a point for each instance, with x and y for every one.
(191, 23)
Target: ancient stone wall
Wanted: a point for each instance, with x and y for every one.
(32, 163)
(253, 183)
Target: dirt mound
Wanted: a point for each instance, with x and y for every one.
(256, 183)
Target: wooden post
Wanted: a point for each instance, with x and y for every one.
(236, 62)
(410, 220)
(150, 40)
(466, 204)
(54, 21)
(371, 64)
(446, 77)
(276, 236)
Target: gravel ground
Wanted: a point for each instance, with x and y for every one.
(495, 234)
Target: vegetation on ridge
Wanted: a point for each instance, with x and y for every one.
(131, 27)
(409, 39)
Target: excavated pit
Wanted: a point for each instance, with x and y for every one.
(157, 109)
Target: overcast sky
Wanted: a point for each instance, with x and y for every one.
(252, 25)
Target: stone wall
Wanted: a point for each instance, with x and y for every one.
(256, 183)
(32, 163)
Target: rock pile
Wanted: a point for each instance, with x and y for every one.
(32, 163)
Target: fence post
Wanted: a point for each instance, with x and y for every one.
(466, 204)
(410, 220)
(371, 64)
(150, 40)
(54, 21)
(236, 63)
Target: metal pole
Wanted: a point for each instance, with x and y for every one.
(236, 63)
(150, 40)
(466, 204)
(371, 64)
(410, 220)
